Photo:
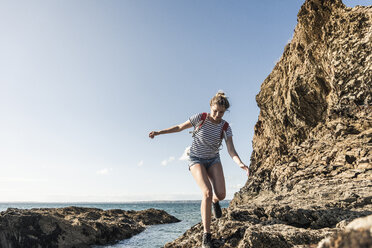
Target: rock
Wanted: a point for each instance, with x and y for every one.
(74, 226)
(361, 223)
(357, 234)
(311, 171)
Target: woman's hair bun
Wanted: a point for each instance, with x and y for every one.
(221, 99)
(220, 93)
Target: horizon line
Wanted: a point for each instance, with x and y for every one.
(103, 202)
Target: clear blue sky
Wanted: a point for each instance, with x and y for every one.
(83, 82)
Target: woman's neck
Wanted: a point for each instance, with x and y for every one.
(213, 120)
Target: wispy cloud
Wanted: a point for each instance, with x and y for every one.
(21, 180)
(236, 186)
(165, 162)
(184, 156)
(104, 171)
(140, 163)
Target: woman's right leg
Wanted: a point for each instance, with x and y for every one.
(200, 175)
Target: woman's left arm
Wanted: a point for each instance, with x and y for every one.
(234, 155)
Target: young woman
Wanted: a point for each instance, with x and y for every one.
(204, 157)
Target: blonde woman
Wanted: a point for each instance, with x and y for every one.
(204, 158)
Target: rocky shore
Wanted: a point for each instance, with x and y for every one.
(74, 226)
(311, 165)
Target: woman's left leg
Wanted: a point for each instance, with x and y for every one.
(216, 176)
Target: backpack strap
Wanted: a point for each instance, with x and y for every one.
(224, 130)
(199, 124)
(202, 119)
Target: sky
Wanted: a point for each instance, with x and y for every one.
(83, 82)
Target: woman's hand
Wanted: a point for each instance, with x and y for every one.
(234, 155)
(153, 134)
(244, 167)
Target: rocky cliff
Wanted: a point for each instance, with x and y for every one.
(74, 226)
(311, 165)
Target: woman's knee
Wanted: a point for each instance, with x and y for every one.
(221, 195)
(208, 194)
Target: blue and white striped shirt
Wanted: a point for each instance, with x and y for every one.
(207, 140)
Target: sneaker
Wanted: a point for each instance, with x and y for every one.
(207, 240)
(217, 209)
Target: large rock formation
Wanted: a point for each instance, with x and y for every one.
(74, 226)
(311, 165)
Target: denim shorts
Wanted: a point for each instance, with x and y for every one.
(206, 162)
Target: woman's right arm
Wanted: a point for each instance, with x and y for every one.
(173, 129)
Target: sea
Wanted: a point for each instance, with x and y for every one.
(154, 236)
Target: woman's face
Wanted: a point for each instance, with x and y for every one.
(217, 112)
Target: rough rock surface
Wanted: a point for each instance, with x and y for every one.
(311, 165)
(73, 226)
(357, 234)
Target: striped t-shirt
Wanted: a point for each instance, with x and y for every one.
(207, 140)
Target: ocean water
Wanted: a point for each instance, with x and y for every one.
(154, 236)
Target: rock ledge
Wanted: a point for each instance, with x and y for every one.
(74, 226)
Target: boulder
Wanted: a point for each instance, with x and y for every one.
(357, 234)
